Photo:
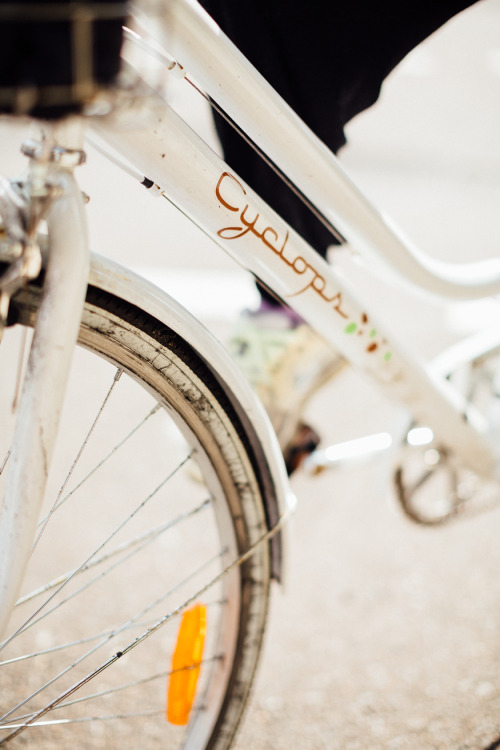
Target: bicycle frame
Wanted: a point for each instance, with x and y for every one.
(168, 152)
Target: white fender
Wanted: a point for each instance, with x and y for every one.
(278, 497)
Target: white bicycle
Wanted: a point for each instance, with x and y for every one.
(129, 590)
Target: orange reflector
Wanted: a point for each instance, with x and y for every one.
(186, 663)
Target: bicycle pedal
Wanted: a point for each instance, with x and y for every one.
(303, 444)
(352, 452)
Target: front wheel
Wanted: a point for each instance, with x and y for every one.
(151, 499)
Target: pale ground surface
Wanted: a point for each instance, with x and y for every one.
(386, 635)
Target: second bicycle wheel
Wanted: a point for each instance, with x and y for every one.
(432, 485)
(151, 498)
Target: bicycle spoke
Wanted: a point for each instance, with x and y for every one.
(59, 647)
(82, 641)
(4, 464)
(18, 721)
(23, 627)
(111, 388)
(107, 571)
(55, 722)
(94, 696)
(138, 542)
(115, 632)
(141, 638)
(101, 463)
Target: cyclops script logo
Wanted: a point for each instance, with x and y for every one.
(232, 195)
(251, 222)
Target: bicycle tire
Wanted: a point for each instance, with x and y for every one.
(227, 513)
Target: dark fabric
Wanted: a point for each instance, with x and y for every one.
(328, 61)
(37, 71)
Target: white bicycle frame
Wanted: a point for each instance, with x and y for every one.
(168, 152)
(164, 149)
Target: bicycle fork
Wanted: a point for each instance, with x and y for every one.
(54, 337)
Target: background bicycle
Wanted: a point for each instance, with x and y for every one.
(386, 698)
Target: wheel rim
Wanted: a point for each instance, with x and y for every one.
(224, 597)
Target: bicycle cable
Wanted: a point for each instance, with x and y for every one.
(172, 66)
(290, 185)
